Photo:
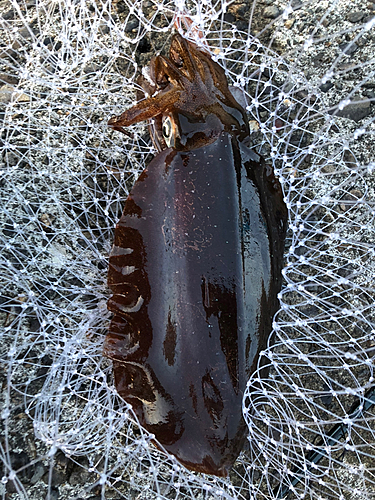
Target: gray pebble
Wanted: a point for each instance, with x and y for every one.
(297, 4)
(28, 33)
(325, 87)
(349, 159)
(242, 9)
(271, 12)
(229, 17)
(53, 495)
(131, 25)
(6, 92)
(348, 48)
(355, 17)
(56, 479)
(242, 25)
(370, 94)
(367, 19)
(8, 15)
(6, 78)
(38, 474)
(350, 199)
(327, 397)
(11, 159)
(356, 110)
(78, 477)
(93, 68)
(103, 28)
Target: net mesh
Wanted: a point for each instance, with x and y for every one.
(306, 71)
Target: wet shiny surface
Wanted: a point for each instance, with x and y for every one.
(195, 267)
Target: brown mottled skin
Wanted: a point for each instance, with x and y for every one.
(196, 264)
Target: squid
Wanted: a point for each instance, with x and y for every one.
(195, 269)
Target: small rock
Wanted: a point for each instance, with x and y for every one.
(356, 110)
(38, 474)
(350, 199)
(326, 398)
(355, 17)
(10, 54)
(229, 17)
(61, 460)
(325, 87)
(144, 46)
(28, 33)
(94, 68)
(296, 4)
(319, 58)
(370, 94)
(131, 25)
(48, 40)
(6, 92)
(103, 28)
(96, 497)
(298, 139)
(34, 325)
(78, 477)
(242, 9)
(356, 193)
(6, 78)
(21, 464)
(349, 159)
(120, 7)
(271, 12)
(346, 67)
(57, 477)
(19, 460)
(8, 15)
(289, 23)
(11, 159)
(9, 93)
(242, 25)
(301, 250)
(11, 487)
(21, 97)
(53, 495)
(348, 48)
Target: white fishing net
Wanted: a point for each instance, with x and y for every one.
(65, 68)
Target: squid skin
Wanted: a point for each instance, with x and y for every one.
(196, 264)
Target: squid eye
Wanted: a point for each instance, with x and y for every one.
(167, 129)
